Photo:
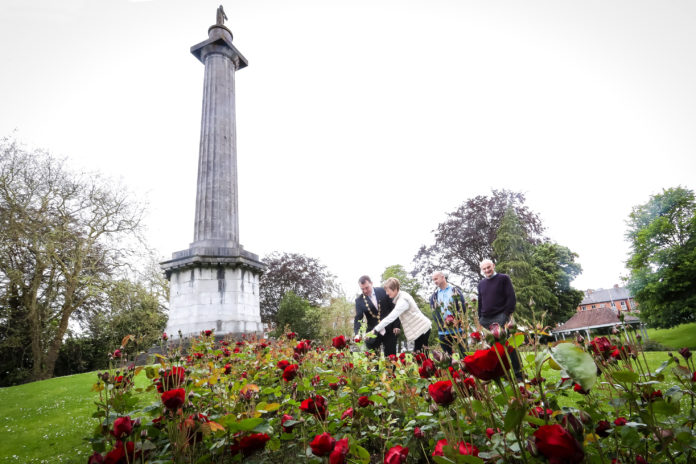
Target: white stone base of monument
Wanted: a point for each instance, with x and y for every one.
(220, 298)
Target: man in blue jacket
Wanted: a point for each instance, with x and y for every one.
(448, 306)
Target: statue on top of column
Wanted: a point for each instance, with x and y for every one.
(221, 16)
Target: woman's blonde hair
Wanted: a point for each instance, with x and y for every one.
(392, 283)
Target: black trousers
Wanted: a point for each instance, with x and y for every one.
(421, 341)
(386, 341)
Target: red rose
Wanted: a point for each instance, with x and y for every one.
(420, 357)
(396, 455)
(347, 413)
(95, 458)
(486, 364)
(339, 342)
(441, 392)
(282, 364)
(619, 421)
(333, 386)
(418, 433)
(601, 345)
(640, 459)
(693, 377)
(301, 348)
(558, 445)
(364, 402)
(340, 451)
(467, 449)
(291, 335)
(117, 354)
(490, 432)
(322, 444)
(121, 454)
(348, 367)
(123, 426)
(198, 355)
(579, 389)
(427, 369)
(228, 368)
(252, 443)
(603, 428)
(476, 336)
(174, 399)
(290, 372)
(165, 337)
(316, 406)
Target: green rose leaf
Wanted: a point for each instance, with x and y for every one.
(516, 340)
(361, 453)
(625, 376)
(514, 416)
(577, 363)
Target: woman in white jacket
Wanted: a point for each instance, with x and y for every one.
(415, 324)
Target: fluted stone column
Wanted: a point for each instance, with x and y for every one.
(214, 284)
(216, 222)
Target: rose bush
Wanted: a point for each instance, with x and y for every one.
(211, 403)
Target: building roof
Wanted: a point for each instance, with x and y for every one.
(602, 295)
(594, 318)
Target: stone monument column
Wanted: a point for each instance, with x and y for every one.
(214, 284)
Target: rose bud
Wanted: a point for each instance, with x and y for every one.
(686, 354)
(418, 433)
(619, 421)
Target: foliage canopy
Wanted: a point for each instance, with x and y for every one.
(662, 261)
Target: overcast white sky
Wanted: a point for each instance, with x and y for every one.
(362, 123)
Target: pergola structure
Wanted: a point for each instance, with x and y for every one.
(585, 321)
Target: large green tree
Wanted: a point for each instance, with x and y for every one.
(466, 237)
(62, 236)
(305, 276)
(541, 273)
(662, 262)
(297, 315)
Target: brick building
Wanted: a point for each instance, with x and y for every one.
(616, 298)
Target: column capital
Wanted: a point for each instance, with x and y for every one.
(219, 41)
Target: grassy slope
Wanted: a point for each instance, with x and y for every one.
(45, 422)
(48, 420)
(676, 337)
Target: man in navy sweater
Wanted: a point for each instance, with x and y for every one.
(496, 303)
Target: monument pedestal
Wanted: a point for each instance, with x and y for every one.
(213, 288)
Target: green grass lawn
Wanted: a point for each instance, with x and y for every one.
(45, 422)
(676, 337)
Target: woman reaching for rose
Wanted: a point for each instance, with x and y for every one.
(414, 323)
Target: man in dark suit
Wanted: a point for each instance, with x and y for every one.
(374, 305)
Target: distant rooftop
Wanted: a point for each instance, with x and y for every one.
(594, 318)
(602, 295)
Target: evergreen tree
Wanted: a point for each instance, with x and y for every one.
(514, 254)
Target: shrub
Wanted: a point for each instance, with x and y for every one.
(233, 401)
